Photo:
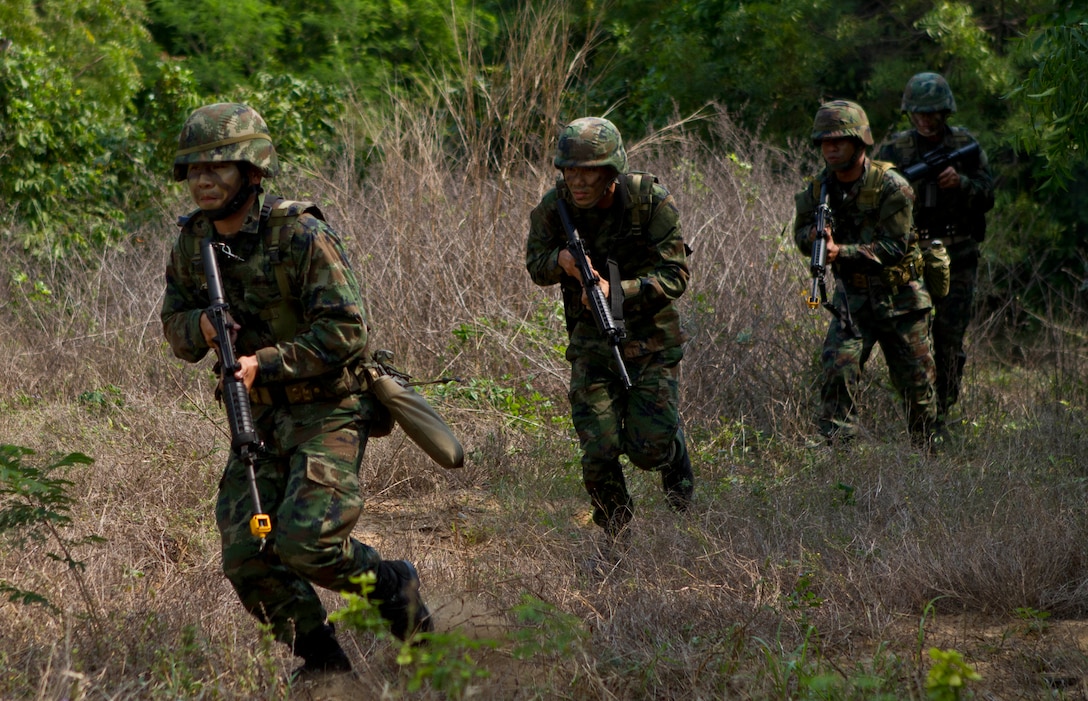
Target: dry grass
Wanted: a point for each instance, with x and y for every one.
(796, 563)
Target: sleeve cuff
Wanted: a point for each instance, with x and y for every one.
(269, 365)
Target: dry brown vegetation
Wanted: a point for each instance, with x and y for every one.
(801, 572)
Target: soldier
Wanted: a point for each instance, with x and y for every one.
(300, 330)
(631, 230)
(882, 298)
(951, 207)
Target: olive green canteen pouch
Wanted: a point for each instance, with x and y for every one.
(412, 413)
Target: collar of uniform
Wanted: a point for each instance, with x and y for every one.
(848, 190)
(252, 224)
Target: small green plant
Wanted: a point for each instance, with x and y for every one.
(1035, 621)
(948, 677)
(545, 630)
(360, 613)
(444, 660)
(803, 597)
(35, 506)
(102, 398)
(179, 667)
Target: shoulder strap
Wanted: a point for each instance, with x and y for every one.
(277, 215)
(869, 197)
(640, 189)
(191, 244)
(906, 149)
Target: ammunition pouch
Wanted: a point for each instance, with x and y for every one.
(910, 268)
(938, 272)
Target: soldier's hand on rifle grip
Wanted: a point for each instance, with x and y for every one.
(570, 267)
(207, 328)
(832, 249)
(949, 179)
(247, 370)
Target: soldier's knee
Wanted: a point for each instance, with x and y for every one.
(654, 456)
(308, 559)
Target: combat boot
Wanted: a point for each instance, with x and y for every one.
(677, 477)
(321, 651)
(399, 602)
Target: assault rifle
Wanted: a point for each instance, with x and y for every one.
(598, 305)
(818, 265)
(937, 160)
(243, 433)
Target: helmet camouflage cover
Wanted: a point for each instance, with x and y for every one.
(928, 92)
(226, 131)
(589, 142)
(840, 119)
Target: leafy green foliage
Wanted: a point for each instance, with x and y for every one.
(369, 45)
(78, 128)
(1055, 96)
(34, 507)
(301, 113)
(224, 42)
(545, 630)
(445, 661)
(947, 678)
(57, 147)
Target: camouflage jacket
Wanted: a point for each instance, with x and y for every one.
(331, 331)
(872, 226)
(642, 231)
(955, 215)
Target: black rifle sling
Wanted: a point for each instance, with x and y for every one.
(615, 291)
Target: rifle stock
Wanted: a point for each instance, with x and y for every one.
(243, 433)
(598, 304)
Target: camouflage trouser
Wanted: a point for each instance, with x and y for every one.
(953, 314)
(642, 423)
(905, 341)
(311, 491)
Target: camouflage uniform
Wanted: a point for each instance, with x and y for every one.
(872, 226)
(955, 216)
(641, 232)
(307, 409)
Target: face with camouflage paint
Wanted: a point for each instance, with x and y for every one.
(590, 187)
(840, 154)
(212, 185)
(929, 124)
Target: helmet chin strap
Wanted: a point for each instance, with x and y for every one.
(235, 203)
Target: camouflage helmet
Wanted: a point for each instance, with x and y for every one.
(841, 119)
(589, 142)
(928, 92)
(226, 131)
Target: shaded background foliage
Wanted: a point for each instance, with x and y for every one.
(92, 94)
